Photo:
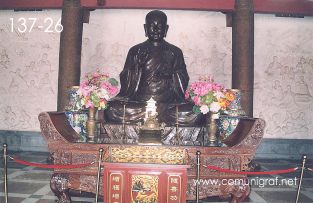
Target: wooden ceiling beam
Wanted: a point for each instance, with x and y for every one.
(298, 7)
(211, 5)
(214, 5)
(31, 4)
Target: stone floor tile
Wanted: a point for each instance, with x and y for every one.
(34, 176)
(23, 188)
(13, 199)
(282, 197)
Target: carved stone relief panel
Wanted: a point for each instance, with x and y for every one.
(28, 66)
(283, 76)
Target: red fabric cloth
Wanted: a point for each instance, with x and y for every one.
(54, 166)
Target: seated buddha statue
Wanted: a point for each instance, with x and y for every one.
(153, 69)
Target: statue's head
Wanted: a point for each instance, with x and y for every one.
(156, 25)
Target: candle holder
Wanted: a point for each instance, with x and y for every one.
(124, 136)
(177, 139)
(211, 130)
(91, 125)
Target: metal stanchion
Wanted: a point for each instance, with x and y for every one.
(301, 177)
(177, 137)
(5, 160)
(98, 174)
(123, 124)
(198, 176)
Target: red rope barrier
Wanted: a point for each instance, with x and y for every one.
(310, 169)
(53, 166)
(252, 172)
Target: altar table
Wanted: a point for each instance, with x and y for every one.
(137, 165)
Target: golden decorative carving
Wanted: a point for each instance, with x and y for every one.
(145, 154)
(144, 188)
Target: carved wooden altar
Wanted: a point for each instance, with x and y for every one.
(144, 183)
(64, 149)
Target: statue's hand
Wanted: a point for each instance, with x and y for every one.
(141, 57)
(120, 99)
(164, 75)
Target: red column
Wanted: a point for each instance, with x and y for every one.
(243, 52)
(70, 49)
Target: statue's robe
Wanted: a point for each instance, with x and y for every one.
(158, 72)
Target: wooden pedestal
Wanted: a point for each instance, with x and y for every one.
(147, 172)
(124, 183)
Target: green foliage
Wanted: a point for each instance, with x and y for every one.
(95, 99)
(113, 81)
(196, 109)
(208, 99)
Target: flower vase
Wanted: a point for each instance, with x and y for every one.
(73, 98)
(235, 108)
(91, 125)
(77, 120)
(211, 125)
(228, 123)
(226, 126)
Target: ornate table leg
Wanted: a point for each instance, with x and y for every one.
(240, 193)
(59, 186)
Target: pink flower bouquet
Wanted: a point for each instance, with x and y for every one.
(96, 89)
(209, 96)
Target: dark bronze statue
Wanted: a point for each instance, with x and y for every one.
(154, 68)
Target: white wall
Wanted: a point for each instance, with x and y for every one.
(29, 70)
(29, 62)
(283, 75)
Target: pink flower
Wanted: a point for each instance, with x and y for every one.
(217, 87)
(113, 90)
(84, 83)
(95, 90)
(96, 74)
(196, 100)
(201, 90)
(89, 104)
(187, 94)
(206, 91)
(85, 91)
